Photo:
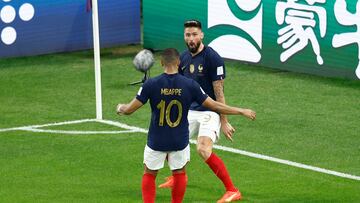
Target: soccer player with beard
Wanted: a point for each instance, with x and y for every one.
(171, 95)
(204, 65)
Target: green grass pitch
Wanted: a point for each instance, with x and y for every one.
(301, 118)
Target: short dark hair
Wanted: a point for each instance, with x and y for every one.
(169, 55)
(192, 23)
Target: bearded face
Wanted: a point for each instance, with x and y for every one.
(193, 47)
(193, 38)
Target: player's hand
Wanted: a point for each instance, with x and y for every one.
(228, 130)
(118, 109)
(249, 114)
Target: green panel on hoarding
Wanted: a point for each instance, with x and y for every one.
(163, 21)
(312, 36)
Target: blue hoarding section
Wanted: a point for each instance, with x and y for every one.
(32, 27)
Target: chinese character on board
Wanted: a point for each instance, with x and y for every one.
(300, 22)
(344, 17)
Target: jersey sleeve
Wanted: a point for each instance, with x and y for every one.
(216, 66)
(198, 94)
(144, 92)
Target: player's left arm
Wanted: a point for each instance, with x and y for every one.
(226, 127)
(127, 109)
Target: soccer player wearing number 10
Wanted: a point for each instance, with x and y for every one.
(171, 95)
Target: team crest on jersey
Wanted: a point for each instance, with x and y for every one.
(200, 68)
(192, 68)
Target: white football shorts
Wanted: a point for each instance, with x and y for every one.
(204, 123)
(154, 160)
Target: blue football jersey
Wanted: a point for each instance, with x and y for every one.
(170, 98)
(205, 68)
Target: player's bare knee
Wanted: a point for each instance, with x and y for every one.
(204, 151)
(204, 147)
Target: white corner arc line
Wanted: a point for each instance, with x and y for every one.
(122, 125)
(63, 123)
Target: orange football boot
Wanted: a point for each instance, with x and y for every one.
(169, 182)
(230, 196)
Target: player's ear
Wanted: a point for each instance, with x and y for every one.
(162, 62)
(201, 35)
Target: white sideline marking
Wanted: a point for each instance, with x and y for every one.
(260, 156)
(46, 125)
(132, 129)
(282, 161)
(37, 128)
(75, 132)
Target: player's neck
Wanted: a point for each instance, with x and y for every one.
(171, 70)
(201, 47)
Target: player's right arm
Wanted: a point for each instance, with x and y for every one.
(228, 110)
(141, 98)
(127, 109)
